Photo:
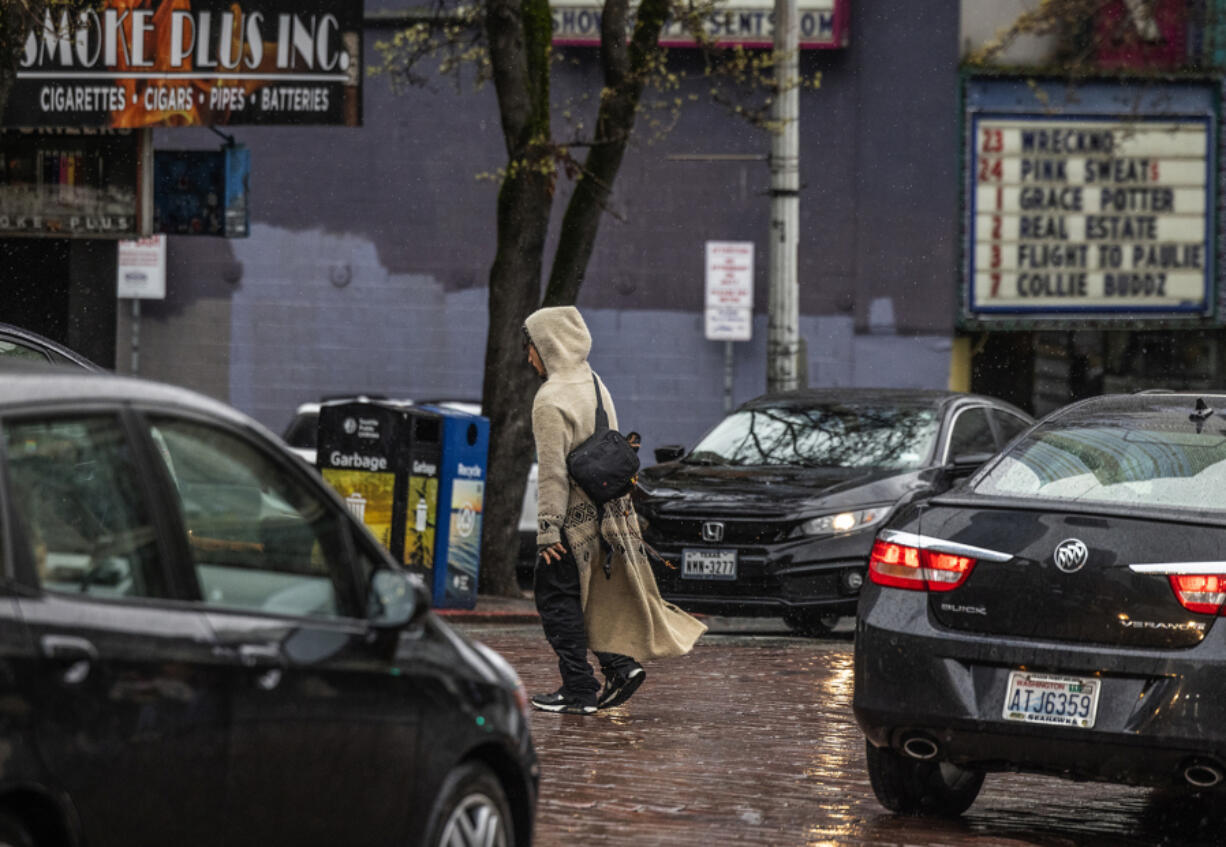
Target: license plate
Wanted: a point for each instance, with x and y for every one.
(1056, 700)
(708, 564)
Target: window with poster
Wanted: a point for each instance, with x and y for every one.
(75, 183)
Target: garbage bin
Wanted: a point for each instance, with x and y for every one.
(383, 457)
(461, 494)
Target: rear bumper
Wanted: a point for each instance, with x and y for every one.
(806, 574)
(1158, 711)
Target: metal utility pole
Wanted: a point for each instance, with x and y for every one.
(783, 322)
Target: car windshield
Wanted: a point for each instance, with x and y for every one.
(1155, 458)
(825, 435)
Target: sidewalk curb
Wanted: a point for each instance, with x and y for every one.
(487, 616)
(504, 617)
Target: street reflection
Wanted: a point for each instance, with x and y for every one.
(750, 740)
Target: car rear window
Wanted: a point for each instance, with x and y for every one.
(1157, 457)
(303, 430)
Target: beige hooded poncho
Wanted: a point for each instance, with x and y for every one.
(624, 613)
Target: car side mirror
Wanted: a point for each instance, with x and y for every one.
(669, 453)
(965, 464)
(394, 601)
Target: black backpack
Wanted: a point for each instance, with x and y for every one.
(604, 465)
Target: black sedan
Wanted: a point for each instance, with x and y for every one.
(774, 511)
(1057, 614)
(201, 646)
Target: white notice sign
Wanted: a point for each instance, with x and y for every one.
(729, 302)
(142, 268)
(1091, 215)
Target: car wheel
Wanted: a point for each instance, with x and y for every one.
(471, 811)
(815, 624)
(13, 833)
(914, 787)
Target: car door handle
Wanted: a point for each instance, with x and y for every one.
(260, 655)
(76, 654)
(68, 648)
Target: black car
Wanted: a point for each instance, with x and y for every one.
(1058, 614)
(18, 343)
(774, 511)
(200, 645)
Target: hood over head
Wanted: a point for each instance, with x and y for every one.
(560, 337)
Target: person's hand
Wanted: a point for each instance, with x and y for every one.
(552, 553)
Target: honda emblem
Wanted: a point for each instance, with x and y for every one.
(713, 531)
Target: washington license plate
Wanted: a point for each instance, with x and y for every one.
(1058, 700)
(708, 564)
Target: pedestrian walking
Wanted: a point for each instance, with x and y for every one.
(594, 587)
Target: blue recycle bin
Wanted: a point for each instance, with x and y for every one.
(461, 496)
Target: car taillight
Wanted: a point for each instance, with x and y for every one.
(1203, 593)
(900, 566)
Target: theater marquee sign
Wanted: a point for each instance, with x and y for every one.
(1099, 208)
(747, 23)
(191, 62)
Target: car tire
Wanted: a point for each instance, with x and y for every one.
(471, 810)
(810, 623)
(914, 787)
(13, 833)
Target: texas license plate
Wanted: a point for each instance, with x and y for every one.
(708, 564)
(1048, 699)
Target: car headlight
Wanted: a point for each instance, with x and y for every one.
(843, 522)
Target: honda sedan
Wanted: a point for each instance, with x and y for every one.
(201, 646)
(1058, 614)
(774, 511)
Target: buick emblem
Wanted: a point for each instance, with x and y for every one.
(1071, 555)
(713, 531)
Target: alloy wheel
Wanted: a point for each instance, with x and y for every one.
(475, 822)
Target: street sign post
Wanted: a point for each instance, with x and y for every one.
(141, 275)
(729, 300)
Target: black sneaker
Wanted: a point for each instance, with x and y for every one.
(560, 701)
(619, 688)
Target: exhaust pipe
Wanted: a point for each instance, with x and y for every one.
(923, 748)
(1203, 774)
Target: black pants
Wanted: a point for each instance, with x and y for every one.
(556, 587)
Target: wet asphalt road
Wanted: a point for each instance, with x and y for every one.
(750, 740)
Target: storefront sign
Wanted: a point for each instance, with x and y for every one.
(748, 23)
(1084, 214)
(729, 300)
(142, 268)
(80, 184)
(208, 62)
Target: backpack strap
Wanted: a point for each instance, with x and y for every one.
(602, 418)
(602, 424)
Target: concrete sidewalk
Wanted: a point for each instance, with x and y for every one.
(514, 610)
(491, 609)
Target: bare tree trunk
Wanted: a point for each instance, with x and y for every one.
(519, 35)
(626, 67)
(11, 32)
